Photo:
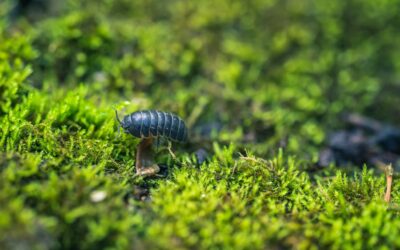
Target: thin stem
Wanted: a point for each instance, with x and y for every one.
(145, 165)
(389, 179)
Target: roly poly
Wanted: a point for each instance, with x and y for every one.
(154, 123)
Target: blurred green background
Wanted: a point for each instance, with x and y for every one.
(262, 73)
(258, 75)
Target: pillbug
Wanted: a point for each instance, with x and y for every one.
(154, 123)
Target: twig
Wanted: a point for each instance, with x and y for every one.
(145, 165)
(389, 179)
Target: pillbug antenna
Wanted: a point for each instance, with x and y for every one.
(120, 123)
(116, 115)
(119, 130)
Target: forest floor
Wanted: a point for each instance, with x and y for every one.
(261, 86)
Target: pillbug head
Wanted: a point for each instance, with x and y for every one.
(123, 123)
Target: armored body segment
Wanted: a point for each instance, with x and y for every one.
(161, 123)
(153, 123)
(136, 122)
(167, 127)
(174, 127)
(145, 130)
(181, 131)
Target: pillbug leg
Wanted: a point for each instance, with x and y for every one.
(170, 150)
(145, 165)
(158, 143)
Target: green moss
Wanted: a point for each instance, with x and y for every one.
(252, 80)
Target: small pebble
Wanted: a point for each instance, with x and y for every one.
(97, 196)
(201, 156)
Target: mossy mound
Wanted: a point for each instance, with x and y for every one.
(259, 83)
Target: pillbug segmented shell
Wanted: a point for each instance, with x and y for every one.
(154, 123)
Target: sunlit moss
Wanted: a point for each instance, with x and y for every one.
(253, 79)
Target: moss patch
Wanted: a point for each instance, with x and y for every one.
(259, 83)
